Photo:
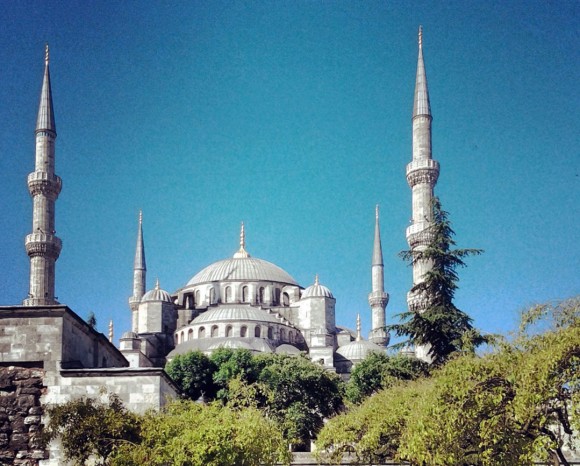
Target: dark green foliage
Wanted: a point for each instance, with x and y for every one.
(193, 372)
(88, 427)
(378, 371)
(441, 326)
(232, 364)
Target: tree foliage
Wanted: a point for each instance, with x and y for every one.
(513, 406)
(88, 427)
(193, 372)
(439, 325)
(379, 371)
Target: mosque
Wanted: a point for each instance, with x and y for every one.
(237, 302)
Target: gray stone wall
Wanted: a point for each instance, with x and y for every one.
(20, 415)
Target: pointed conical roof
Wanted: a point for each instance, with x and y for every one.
(45, 120)
(377, 248)
(140, 250)
(421, 104)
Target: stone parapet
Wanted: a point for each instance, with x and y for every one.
(422, 171)
(419, 234)
(378, 298)
(40, 182)
(42, 244)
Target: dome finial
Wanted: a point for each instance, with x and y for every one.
(46, 54)
(157, 284)
(316, 280)
(242, 251)
(420, 36)
(358, 329)
(111, 330)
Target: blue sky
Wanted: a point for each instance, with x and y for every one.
(294, 117)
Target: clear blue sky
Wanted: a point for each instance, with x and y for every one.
(295, 117)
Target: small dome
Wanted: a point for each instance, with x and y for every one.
(356, 351)
(156, 294)
(231, 344)
(317, 291)
(287, 349)
(129, 336)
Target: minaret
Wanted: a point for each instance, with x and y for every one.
(139, 275)
(42, 245)
(422, 174)
(378, 299)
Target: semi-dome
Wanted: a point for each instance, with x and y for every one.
(156, 294)
(317, 291)
(242, 269)
(245, 313)
(358, 350)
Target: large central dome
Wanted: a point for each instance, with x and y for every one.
(242, 269)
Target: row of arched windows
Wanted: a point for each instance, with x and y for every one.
(245, 331)
(197, 299)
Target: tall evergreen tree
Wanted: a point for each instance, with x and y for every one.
(439, 324)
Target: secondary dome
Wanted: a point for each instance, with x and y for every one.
(221, 314)
(317, 291)
(156, 294)
(358, 350)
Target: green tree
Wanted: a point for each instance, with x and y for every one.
(193, 372)
(515, 405)
(379, 371)
(440, 325)
(231, 364)
(193, 434)
(90, 428)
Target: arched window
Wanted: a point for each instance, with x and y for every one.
(229, 331)
(261, 292)
(282, 334)
(244, 331)
(291, 337)
(182, 337)
(245, 294)
(197, 298)
(201, 332)
(270, 333)
(257, 331)
(176, 338)
(211, 296)
(214, 331)
(286, 299)
(277, 296)
(190, 334)
(228, 294)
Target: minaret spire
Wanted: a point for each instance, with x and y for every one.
(139, 274)
(358, 328)
(42, 245)
(422, 175)
(378, 299)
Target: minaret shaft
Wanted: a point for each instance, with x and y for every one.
(139, 276)
(422, 175)
(42, 246)
(378, 299)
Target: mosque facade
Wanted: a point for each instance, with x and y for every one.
(49, 355)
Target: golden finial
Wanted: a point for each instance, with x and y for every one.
(111, 330)
(316, 281)
(358, 337)
(46, 54)
(420, 36)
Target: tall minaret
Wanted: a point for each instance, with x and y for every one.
(422, 174)
(42, 245)
(139, 276)
(378, 299)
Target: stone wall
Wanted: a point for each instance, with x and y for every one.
(20, 415)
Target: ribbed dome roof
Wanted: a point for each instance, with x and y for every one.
(231, 344)
(222, 313)
(317, 291)
(358, 350)
(156, 294)
(287, 349)
(242, 269)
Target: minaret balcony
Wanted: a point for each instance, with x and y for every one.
(40, 182)
(422, 171)
(378, 298)
(42, 244)
(419, 234)
(417, 301)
